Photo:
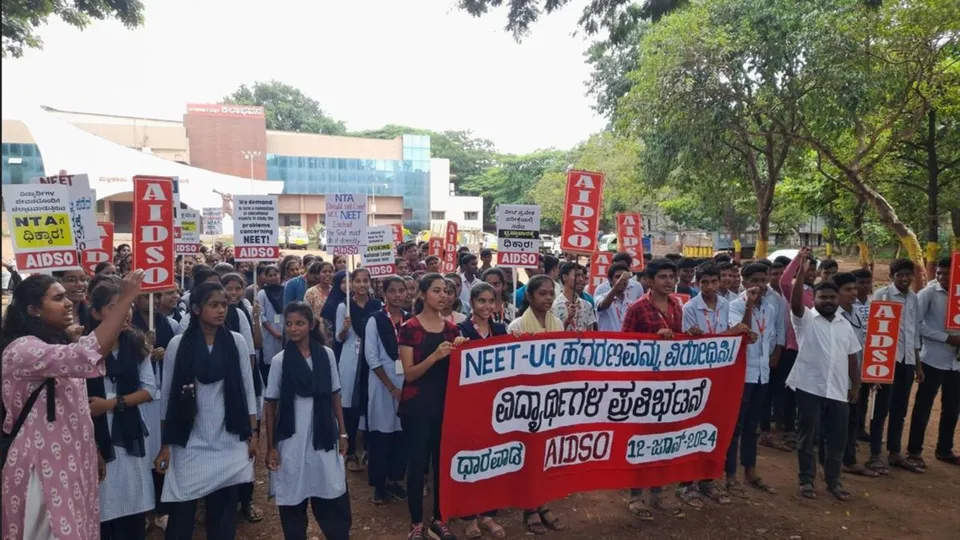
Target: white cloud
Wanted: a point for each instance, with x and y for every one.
(368, 62)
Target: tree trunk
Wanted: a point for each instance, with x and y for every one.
(886, 213)
(933, 192)
(858, 214)
(764, 209)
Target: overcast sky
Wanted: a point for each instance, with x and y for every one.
(368, 62)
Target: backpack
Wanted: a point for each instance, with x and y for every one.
(7, 441)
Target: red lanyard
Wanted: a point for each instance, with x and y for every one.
(710, 327)
(761, 322)
(477, 328)
(396, 327)
(662, 317)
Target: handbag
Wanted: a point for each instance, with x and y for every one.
(7, 441)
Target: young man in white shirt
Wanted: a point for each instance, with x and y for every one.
(894, 399)
(634, 290)
(613, 303)
(862, 306)
(826, 379)
(941, 369)
(470, 276)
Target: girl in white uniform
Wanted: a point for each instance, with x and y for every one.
(306, 435)
(209, 430)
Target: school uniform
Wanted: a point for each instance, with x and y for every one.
(859, 325)
(821, 379)
(941, 370)
(271, 313)
(311, 469)
(349, 363)
(210, 460)
(611, 319)
(384, 436)
(863, 402)
(894, 399)
(767, 322)
(697, 314)
(127, 492)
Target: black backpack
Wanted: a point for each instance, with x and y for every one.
(7, 441)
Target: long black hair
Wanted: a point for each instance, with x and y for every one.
(100, 297)
(425, 282)
(305, 311)
(18, 322)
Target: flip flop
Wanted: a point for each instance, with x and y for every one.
(861, 471)
(689, 496)
(472, 530)
(735, 488)
(533, 524)
(807, 491)
(551, 520)
(640, 511)
(714, 494)
(877, 466)
(492, 527)
(667, 507)
(952, 459)
(839, 493)
(906, 464)
(759, 484)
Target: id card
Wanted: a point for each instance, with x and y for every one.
(398, 368)
(276, 318)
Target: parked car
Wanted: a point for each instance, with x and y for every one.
(788, 253)
(608, 242)
(549, 245)
(294, 237)
(490, 241)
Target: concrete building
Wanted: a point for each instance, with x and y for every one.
(400, 177)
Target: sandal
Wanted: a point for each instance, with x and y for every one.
(353, 464)
(917, 461)
(860, 470)
(667, 506)
(689, 496)
(906, 464)
(533, 523)
(472, 530)
(714, 494)
(640, 511)
(551, 520)
(952, 459)
(758, 483)
(807, 491)
(841, 494)
(735, 488)
(878, 466)
(492, 527)
(251, 513)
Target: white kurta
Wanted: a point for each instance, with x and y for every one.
(271, 345)
(128, 488)
(152, 412)
(305, 472)
(348, 357)
(381, 405)
(213, 458)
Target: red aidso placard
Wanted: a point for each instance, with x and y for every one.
(90, 258)
(581, 212)
(880, 347)
(397, 233)
(630, 238)
(532, 419)
(600, 263)
(953, 294)
(450, 262)
(435, 247)
(153, 231)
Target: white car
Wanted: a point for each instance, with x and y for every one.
(490, 241)
(788, 253)
(294, 238)
(549, 245)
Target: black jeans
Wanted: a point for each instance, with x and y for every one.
(935, 380)
(745, 432)
(387, 458)
(821, 417)
(863, 405)
(893, 400)
(333, 516)
(781, 397)
(221, 516)
(850, 450)
(124, 528)
(351, 417)
(161, 508)
(423, 450)
(245, 493)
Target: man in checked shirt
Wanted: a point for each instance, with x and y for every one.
(655, 313)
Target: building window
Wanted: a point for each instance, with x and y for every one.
(438, 215)
(407, 214)
(471, 216)
(101, 206)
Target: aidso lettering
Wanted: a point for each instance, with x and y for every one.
(581, 212)
(153, 231)
(880, 349)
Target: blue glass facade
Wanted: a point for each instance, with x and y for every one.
(30, 166)
(408, 178)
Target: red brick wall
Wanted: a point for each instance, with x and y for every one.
(217, 143)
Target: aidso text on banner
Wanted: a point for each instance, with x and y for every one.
(532, 419)
(581, 212)
(346, 222)
(153, 232)
(189, 241)
(91, 258)
(518, 235)
(82, 205)
(378, 255)
(256, 228)
(39, 219)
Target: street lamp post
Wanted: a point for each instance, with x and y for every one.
(251, 155)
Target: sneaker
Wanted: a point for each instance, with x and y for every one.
(397, 492)
(381, 496)
(440, 531)
(416, 532)
(161, 522)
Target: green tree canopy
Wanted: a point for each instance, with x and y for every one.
(287, 108)
(22, 17)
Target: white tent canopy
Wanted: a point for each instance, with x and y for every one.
(111, 167)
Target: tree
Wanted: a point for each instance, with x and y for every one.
(22, 17)
(287, 108)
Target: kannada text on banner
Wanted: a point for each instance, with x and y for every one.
(532, 419)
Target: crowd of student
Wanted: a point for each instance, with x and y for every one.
(169, 411)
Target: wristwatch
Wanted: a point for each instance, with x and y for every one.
(121, 404)
(344, 436)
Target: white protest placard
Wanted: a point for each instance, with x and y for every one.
(346, 222)
(378, 256)
(213, 221)
(256, 228)
(82, 206)
(176, 208)
(189, 241)
(518, 235)
(40, 229)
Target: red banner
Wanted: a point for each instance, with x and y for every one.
(90, 258)
(953, 294)
(581, 212)
(630, 238)
(600, 263)
(530, 420)
(449, 258)
(880, 348)
(153, 231)
(397, 234)
(680, 297)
